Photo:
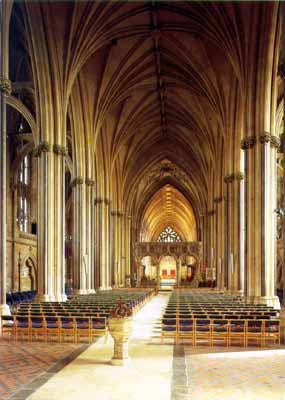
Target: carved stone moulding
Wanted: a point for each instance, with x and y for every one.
(237, 176)
(46, 147)
(218, 200)
(266, 138)
(5, 85)
(211, 213)
(60, 150)
(248, 142)
(77, 181)
(229, 178)
(275, 142)
(98, 201)
(90, 182)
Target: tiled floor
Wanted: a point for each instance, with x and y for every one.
(251, 374)
(148, 376)
(156, 372)
(24, 366)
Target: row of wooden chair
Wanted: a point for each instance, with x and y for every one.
(35, 327)
(221, 315)
(228, 331)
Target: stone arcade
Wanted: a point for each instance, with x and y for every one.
(141, 155)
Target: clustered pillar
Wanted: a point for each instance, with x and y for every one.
(51, 221)
(260, 203)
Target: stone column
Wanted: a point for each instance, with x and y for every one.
(90, 194)
(79, 236)
(115, 248)
(5, 88)
(260, 218)
(98, 241)
(128, 245)
(233, 232)
(104, 260)
(157, 277)
(123, 248)
(178, 269)
(51, 222)
(219, 234)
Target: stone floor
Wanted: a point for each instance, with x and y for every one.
(26, 366)
(162, 371)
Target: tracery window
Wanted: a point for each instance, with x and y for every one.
(168, 235)
(24, 189)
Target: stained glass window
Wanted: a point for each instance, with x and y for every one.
(168, 235)
(24, 181)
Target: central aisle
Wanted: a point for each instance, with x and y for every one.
(148, 376)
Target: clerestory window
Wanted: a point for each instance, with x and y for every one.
(168, 235)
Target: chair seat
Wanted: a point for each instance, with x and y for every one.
(219, 329)
(202, 329)
(98, 327)
(169, 328)
(22, 325)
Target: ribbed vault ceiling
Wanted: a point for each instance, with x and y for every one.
(168, 207)
(143, 82)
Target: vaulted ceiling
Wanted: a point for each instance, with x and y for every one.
(146, 83)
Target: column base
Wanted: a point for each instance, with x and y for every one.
(91, 291)
(42, 298)
(4, 309)
(120, 362)
(272, 301)
(60, 298)
(80, 291)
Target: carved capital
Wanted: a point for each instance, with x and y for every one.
(211, 213)
(229, 178)
(107, 201)
(77, 181)
(35, 152)
(264, 138)
(60, 150)
(218, 200)
(275, 142)
(98, 201)
(239, 176)
(5, 85)
(90, 182)
(248, 142)
(43, 147)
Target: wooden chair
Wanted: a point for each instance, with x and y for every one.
(67, 328)
(254, 331)
(169, 328)
(22, 326)
(7, 326)
(98, 327)
(203, 330)
(271, 332)
(52, 327)
(82, 327)
(220, 331)
(37, 327)
(237, 331)
(186, 330)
